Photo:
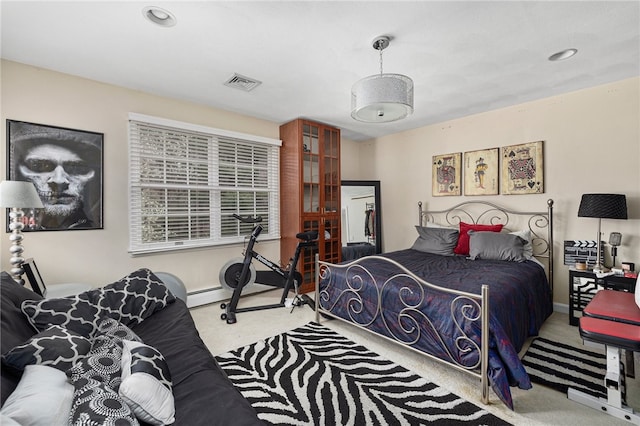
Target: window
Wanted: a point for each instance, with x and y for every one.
(186, 182)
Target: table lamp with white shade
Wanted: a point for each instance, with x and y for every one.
(17, 195)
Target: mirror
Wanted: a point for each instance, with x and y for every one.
(361, 220)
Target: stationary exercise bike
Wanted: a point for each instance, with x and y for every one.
(239, 273)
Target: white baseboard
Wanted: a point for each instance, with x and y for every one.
(218, 294)
(561, 307)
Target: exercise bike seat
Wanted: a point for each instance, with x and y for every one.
(307, 236)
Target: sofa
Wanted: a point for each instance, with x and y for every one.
(130, 349)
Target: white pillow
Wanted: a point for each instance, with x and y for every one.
(438, 225)
(146, 384)
(525, 234)
(42, 398)
(8, 421)
(637, 292)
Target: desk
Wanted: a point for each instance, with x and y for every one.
(583, 285)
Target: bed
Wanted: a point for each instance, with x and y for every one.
(473, 310)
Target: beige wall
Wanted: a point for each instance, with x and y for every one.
(98, 257)
(591, 144)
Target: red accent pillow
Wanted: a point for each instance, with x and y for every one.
(463, 239)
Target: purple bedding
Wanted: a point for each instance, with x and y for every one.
(519, 302)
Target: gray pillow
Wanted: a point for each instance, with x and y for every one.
(525, 234)
(496, 246)
(436, 240)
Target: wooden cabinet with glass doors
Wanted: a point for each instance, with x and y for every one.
(310, 193)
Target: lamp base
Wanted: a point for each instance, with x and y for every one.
(600, 269)
(16, 249)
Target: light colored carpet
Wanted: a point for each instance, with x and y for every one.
(537, 406)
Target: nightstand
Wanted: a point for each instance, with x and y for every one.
(583, 285)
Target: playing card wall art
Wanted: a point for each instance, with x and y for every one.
(445, 174)
(522, 169)
(481, 172)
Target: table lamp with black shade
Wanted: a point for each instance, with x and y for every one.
(602, 206)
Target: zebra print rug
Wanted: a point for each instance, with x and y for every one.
(560, 366)
(313, 375)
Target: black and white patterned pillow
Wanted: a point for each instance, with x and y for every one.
(146, 384)
(56, 347)
(135, 297)
(103, 363)
(77, 313)
(94, 403)
(115, 329)
(129, 301)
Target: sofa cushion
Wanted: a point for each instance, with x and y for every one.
(56, 346)
(14, 327)
(198, 381)
(129, 300)
(146, 384)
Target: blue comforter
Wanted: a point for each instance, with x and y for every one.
(519, 302)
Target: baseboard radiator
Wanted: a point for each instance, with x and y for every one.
(218, 294)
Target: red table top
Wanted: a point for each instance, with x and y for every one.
(614, 305)
(622, 335)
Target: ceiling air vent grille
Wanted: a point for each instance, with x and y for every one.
(241, 82)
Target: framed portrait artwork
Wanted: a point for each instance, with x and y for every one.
(445, 174)
(65, 166)
(522, 169)
(481, 172)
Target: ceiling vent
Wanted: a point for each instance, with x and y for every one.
(241, 82)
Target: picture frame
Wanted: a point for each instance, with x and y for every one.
(445, 174)
(522, 169)
(481, 172)
(66, 167)
(34, 277)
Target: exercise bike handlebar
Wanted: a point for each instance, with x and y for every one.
(248, 219)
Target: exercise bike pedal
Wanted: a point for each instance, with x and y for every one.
(297, 301)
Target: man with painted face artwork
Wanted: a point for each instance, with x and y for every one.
(64, 166)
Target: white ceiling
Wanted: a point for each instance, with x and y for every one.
(465, 57)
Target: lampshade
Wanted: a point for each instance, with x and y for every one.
(604, 206)
(382, 98)
(17, 194)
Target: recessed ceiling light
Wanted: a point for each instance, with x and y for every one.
(159, 16)
(563, 54)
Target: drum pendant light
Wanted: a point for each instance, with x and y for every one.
(381, 98)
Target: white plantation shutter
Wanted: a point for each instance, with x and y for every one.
(186, 181)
